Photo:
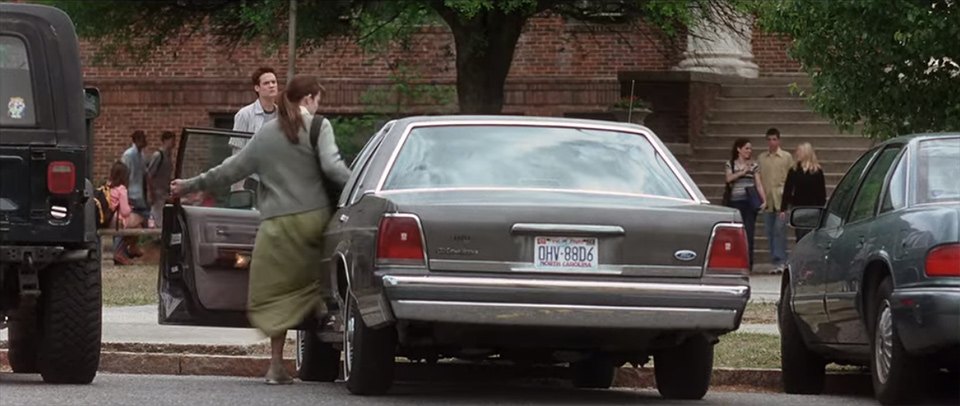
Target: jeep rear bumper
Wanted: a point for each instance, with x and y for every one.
(40, 254)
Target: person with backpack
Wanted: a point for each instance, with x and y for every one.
(122, 214)
(285, 285)
(159, 173)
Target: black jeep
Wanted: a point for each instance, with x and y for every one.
(50, 294)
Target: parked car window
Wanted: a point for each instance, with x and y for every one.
(16, 89)
(492, 156)
(200, 153)
(865, 204)
(359, 166)
(896, 195)
(938, 171)
(843, 194)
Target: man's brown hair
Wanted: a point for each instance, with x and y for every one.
(255, 78)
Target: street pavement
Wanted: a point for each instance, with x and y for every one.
(148, 390)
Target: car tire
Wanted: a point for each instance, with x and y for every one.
(24, 337)
(71, 321)
(317, 361)
(897, 375)
(593, 372)
(684, 372)
(368, 354)
(803, 371)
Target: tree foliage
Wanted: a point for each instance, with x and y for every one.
(890, 65)
(485, 32)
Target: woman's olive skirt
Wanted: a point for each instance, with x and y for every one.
(285, 276)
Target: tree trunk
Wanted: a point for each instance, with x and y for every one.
(485, 46)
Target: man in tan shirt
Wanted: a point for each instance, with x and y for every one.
(775, 163)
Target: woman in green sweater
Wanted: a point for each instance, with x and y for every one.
(285, 285)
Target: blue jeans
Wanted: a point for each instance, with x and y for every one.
(749, 216)
(777, 235)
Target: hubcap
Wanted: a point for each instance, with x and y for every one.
(883, 345)
(348, 334)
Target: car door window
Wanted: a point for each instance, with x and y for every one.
(865, 204)
(896, 194)
(202, 149)
(843, 194)
(360, 165)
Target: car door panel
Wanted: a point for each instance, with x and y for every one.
(224, 238)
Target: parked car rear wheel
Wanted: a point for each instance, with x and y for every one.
(897, 375)
(24, 338)
(683, 372)
(317, 361)
(368, 354)
(71, 319)
(803, 370)
(593, 372)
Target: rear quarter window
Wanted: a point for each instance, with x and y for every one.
(938, 171)
(16, 85)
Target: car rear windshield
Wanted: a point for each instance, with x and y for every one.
(16, 91)
(938, 171)
(526, 157)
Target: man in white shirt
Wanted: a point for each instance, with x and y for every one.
(254, 115)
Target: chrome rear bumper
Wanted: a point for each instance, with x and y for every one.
(565, 303)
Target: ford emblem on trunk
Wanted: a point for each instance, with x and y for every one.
(685, 255)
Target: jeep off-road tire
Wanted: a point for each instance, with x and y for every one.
(684, 371)
(317, 361)
(593, 372)
(368, 354)
(70, 321)
(24, 338)
(804, 371)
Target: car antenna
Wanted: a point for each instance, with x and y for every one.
(633, 83)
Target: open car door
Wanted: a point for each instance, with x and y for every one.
(208, 239)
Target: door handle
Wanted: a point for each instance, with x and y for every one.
(860, 242)
(222, 232)
(344, 218)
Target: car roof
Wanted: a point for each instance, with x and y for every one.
(519, 119)
(912, 138)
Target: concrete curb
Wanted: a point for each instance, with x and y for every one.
(153, 363)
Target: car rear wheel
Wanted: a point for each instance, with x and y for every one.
(593, 372)
(803, 370)
(683, 372)
(368, 354)
(897, 375)
(24, 338)
(316, 360)
(71, 319)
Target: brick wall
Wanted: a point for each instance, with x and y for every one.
(770, 54)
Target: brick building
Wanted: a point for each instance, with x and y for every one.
(561, 68)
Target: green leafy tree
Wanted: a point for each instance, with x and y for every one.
(890, 65)
(485, 32)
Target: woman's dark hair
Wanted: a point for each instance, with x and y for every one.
(289, 105)
(119, 174)
(739, 143)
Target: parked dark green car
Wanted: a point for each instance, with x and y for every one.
(877, 281)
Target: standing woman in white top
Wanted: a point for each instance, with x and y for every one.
(744, 187)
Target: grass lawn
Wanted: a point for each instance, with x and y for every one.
(760, 313)
(747, 350)
(129, 285)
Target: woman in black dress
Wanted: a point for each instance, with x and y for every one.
(805, 184)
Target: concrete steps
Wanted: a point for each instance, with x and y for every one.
(754, 114)
(848, 154)
(716, 165)
(750, 103)
(787, 128)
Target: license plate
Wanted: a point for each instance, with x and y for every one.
(566, 253)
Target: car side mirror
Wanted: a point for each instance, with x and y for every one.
(241, 199)
(805, 217)
(91, 102)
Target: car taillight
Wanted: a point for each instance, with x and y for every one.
(943, 261)
(400, 240)
(729, 253)
(61, 177)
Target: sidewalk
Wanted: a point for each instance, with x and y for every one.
(138, 324)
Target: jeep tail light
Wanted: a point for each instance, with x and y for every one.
(944, 261)
(61, 177)
(400, 240)
(729, 253)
